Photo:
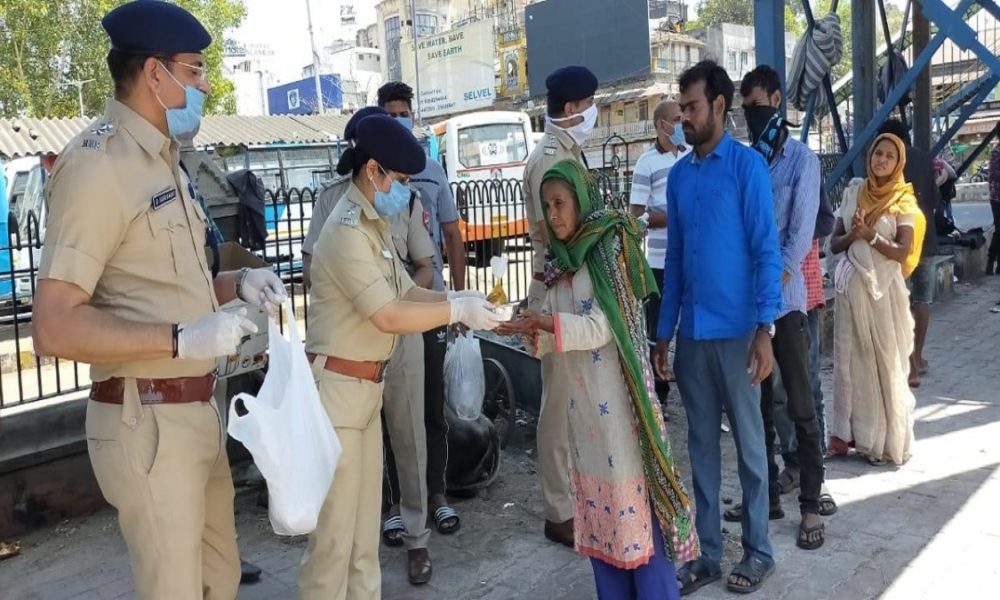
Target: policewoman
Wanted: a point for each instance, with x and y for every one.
(361, 300)
(125, 287)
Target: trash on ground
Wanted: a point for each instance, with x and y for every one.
(9, 549)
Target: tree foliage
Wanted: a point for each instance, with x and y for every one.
(44, 44)
(893, 15)
(740, 12)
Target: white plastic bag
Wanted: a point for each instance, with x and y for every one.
(464, 381)
(289, 434)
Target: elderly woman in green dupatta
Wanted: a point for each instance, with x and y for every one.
(632, 515)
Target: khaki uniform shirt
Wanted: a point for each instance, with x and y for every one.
(331, 192)
(557, 145)
(356, 271)
(123, 227)
(409, 236)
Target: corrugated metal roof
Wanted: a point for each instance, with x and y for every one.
(27, 137)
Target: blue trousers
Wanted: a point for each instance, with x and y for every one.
(712, 375)
(787, 443)
(655, 580)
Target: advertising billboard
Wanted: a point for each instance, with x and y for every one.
(299, 97)
(609, 38)
(456, 69)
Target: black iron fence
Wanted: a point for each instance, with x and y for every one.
(493, 222)
(25, 376)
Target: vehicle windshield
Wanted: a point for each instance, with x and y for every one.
(494, 144)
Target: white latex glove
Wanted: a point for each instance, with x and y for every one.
(263, 290)
(474, 313)
(466, 294)
(214, 335)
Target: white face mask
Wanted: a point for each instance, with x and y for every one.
(581, 131)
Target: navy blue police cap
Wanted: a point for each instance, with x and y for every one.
(351, 129)
(155, 27)
(571, 83)
(390, 144)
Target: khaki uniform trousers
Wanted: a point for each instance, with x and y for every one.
(553, 429)
(165, 469)
(341, 561)
(403, 409)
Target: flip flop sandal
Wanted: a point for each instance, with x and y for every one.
(442, 516)
(876, 462)
(735, 514)
(787, 482)
(804, 533)
(827, 506)
(392, 531)
(694, 575)
(753, 570)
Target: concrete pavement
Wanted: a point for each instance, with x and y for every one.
(925, 530)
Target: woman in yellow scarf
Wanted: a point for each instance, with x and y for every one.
(873, 404)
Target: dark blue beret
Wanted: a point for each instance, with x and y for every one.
(390, 144)
(571, 83)
(155, 27)
(351, 129)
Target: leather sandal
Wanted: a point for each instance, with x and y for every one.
(418, 566)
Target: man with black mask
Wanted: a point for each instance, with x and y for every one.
(795, 184)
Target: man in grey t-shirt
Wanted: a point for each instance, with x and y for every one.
(441, 217)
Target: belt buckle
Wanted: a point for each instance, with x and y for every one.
(380, 374)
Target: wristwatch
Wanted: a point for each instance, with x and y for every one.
(767, 327)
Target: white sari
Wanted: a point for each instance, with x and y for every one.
(873, 403)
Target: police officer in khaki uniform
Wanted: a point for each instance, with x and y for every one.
(403, 397)
(330, 193)
(403, 401)
(124, 286)
(362, 299)
(571, 119)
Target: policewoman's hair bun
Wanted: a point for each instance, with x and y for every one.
(352, 161)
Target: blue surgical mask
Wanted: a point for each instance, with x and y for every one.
(184, 122)
(392, 202)
(677, 137)
(406, 122)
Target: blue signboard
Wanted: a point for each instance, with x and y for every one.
(299, 97)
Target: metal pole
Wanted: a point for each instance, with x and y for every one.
(320, 109)
(863, 63)
(922, 103)
(79, 95)
(416, 62)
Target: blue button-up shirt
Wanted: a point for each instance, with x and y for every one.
(723, 271)
(795, 181)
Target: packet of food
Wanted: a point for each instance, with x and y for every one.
(498, 266)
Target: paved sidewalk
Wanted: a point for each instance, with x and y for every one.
(925, 530)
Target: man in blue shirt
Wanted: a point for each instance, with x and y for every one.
(795, 185)
(722, 279)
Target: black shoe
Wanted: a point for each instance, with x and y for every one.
(249, 573)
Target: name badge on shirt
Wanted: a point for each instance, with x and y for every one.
(386, 254)
(164, 197)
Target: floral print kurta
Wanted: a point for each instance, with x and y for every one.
(612, 513)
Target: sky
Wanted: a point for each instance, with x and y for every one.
(283, 25)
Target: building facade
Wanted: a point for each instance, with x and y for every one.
(252, 69)
(359, 68)
(396, 22)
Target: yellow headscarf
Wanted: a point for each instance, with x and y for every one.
(894, 197)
